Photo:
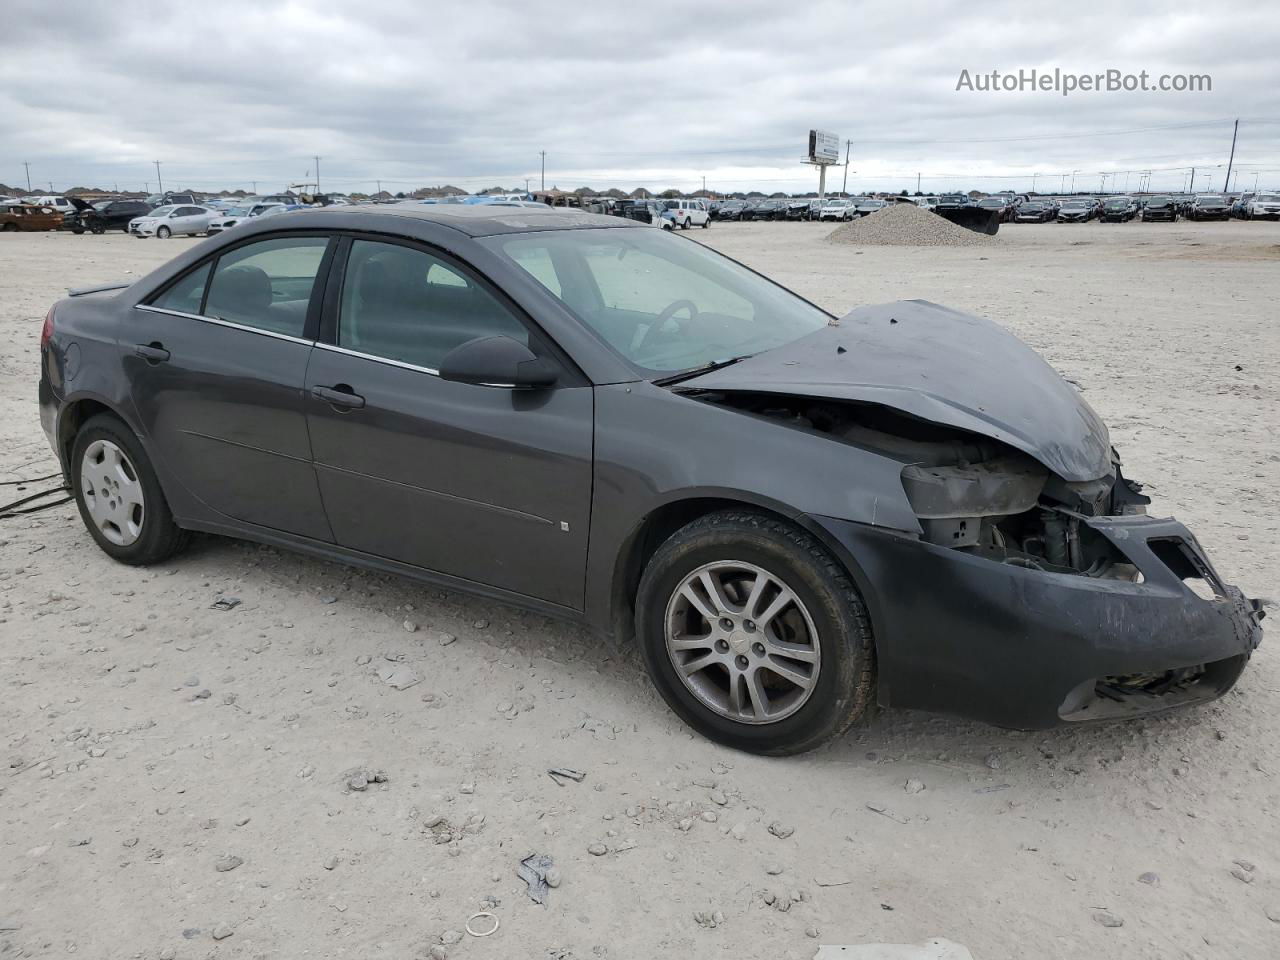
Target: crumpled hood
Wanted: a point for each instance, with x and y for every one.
(940, 365)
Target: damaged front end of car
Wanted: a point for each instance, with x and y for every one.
(1036, 590)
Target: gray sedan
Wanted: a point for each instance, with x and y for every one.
(792, 515)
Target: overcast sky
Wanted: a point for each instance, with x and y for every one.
(642, 93)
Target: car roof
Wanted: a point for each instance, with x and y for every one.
(483, 220)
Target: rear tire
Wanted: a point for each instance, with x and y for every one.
(820, 636)
(110, 467)
(706, 223)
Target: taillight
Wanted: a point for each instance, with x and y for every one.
(47, 330)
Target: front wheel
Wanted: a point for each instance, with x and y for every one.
(119, 496)
(164, 233)
(754, 635)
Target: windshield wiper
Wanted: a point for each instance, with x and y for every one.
(698, 371)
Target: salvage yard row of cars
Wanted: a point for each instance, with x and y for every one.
(179, 214)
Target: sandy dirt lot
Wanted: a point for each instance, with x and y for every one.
(172, 773)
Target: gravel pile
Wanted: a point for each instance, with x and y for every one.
(906, 225)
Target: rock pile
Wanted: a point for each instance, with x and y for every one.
(906, 225)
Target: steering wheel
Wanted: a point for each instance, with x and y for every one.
(667, 312)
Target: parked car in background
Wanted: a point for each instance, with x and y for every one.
(1265, 206)
(729, 210)
(1160, 208)
(868, 205)
(28, 217)
(797, 209)
(837, 208)
(771, 209)
(1035, 211)
(686, 213)
(170, 198)
(1077, 210)
(1003, 205)
(172, 220)
(648, 211)
(953, 201)
(1119, 210)
(63, 205)
(106, 215)
(1209, 207)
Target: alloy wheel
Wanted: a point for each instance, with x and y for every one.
(742, 642)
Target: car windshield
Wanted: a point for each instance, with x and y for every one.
(663, 303)
(1078, 203)
(1268, 198)
(837, 203)
(1204, 200)
(238, 211)
(991, 202)
(161, 211)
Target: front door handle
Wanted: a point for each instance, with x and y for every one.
(339, 396)
(151, 352)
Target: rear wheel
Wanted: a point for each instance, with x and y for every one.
(10, 228)
(754, 634)
(706, 223)
(119, 496)
(685, 225)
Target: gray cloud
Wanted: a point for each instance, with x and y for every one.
(656, 92)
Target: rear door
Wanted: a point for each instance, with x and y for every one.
(485, 483)
(216, 364)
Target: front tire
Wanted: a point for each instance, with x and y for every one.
(164, 233)
(754, 635)
(119, 495)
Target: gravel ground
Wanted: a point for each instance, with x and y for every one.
(180, 781)
(906, 225)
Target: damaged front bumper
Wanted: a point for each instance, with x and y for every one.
(1030, 648)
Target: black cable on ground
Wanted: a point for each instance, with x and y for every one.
(11, 509)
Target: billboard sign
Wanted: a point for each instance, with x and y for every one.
(824, 147)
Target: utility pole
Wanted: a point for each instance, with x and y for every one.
(1192, 188)
(28, 166)
(160, 187)
(543, 155)
(317, 160)
(1073, 180)
(379, 186)
(1063, 186)
(1255, 182)
(255, 187)
(917, 181)
(1234, 131)
(845, 187)
(1033, 182)
(526, 184)
(704, 183)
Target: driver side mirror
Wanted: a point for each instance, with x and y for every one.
(498, 362)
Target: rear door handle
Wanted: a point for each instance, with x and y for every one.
(339, 396)
(151, 352)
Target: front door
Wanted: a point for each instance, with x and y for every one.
(216, 365)
(489, 484)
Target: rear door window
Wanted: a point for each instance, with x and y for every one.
(267, 285)
(186, 295)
